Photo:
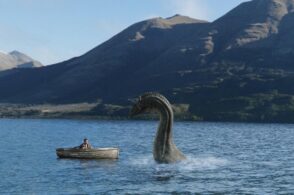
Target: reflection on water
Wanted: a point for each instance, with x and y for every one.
(164, 175)
(93, 163)
(223, 158)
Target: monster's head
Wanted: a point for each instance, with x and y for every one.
(149, 102)
(139, 107)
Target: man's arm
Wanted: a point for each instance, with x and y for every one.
(82, 146)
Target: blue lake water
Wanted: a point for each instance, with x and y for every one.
(229, 158)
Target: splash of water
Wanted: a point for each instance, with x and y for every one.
(190, 164)
(202, 162)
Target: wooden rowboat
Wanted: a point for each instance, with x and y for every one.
(96, 153)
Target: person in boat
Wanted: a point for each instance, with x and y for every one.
(85, 144)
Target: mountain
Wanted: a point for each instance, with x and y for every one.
(237, 68)
(86, 78)
(16, 59)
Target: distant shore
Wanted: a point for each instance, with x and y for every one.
(84, 112)
(97, 111)
(76, 111)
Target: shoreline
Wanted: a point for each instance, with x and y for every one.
(98, 111)
(116, 118)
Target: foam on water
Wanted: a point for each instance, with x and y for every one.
(190, 164)
(202, 162)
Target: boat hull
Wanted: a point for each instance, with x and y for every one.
(97, 153)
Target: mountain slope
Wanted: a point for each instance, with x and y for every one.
(86, 77)
(6, 61)
(239, 67)
(16, 59)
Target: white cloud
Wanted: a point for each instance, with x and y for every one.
(192, 8)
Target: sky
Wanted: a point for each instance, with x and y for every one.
(52, 31)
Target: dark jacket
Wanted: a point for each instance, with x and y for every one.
(85, 146)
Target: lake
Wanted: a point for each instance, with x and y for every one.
(228, 158)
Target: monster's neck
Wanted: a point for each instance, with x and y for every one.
(164, 149)
(163, 140)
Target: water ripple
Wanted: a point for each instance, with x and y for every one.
(222, 158)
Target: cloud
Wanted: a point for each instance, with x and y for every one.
(192, 8)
